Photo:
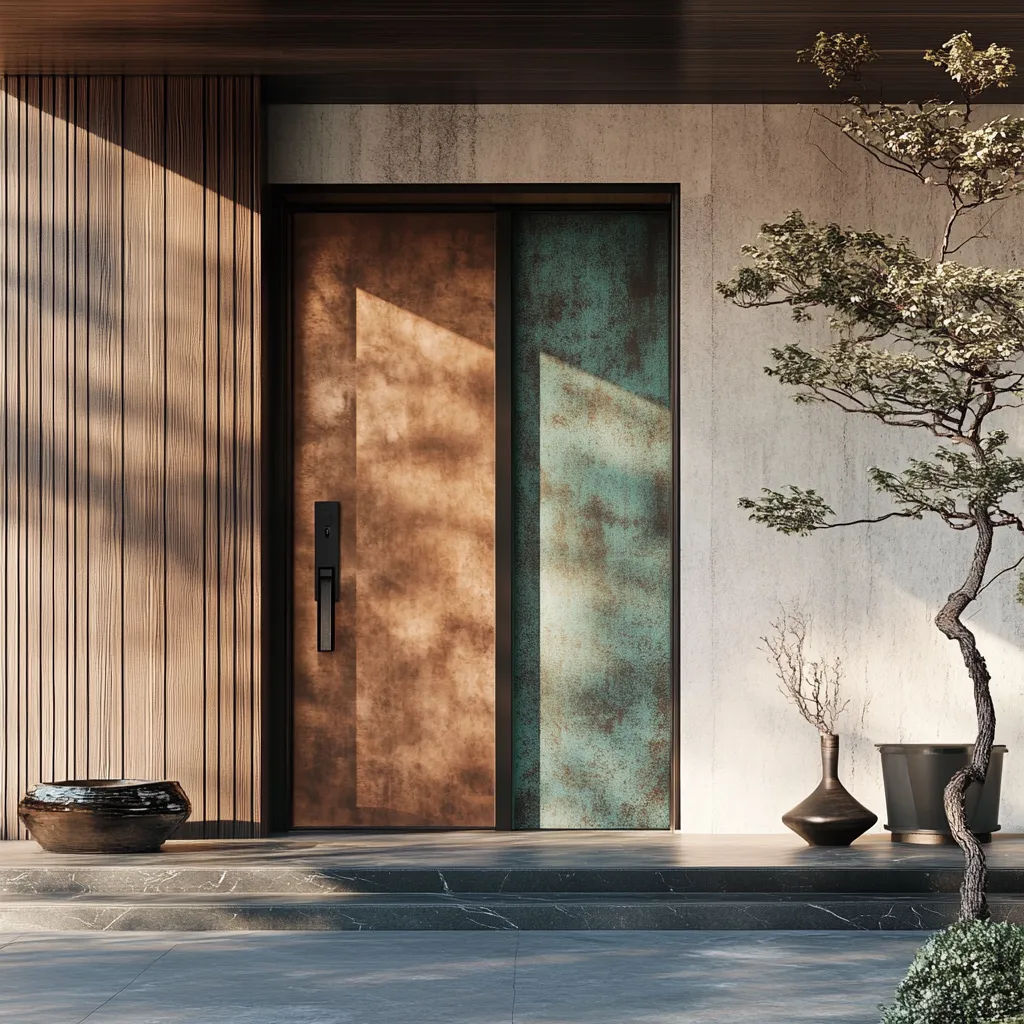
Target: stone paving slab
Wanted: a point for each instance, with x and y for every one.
(574, 849)
(503, 863)
(488, 912)
(451, 977)
(124, 878)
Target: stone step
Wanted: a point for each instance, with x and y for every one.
(123, 877)
(526, 911)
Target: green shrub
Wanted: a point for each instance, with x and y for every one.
(971, 973)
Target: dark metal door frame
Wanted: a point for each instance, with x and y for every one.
(281, 203)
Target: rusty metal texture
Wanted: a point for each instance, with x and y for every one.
(394, 418)
(592, 547)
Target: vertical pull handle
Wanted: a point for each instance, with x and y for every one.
(325, 610)
(327, 551)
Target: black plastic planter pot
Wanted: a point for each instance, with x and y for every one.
(915, 776)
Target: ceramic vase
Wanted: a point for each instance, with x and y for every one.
(830, 816)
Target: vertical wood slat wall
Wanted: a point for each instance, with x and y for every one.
(129, 457)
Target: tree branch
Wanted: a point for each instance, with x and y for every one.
(880, 519)
(971, 238)
(885, 159)
(1009, 568)
(1009, 519)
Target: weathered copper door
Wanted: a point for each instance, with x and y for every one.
(393, 417)
(592, 491)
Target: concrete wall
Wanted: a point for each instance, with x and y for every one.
(746, 755)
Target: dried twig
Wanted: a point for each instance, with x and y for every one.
(811, 686)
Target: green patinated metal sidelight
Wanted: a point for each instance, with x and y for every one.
(592, 539)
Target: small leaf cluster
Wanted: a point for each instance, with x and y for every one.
(936, 143)
(839, 56)
(974, 70)
(953, 484)
(799, 512)
(965, 316)
(970, 973)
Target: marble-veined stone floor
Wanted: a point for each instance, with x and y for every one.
(452, 977)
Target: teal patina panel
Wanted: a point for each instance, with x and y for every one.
(592, 543)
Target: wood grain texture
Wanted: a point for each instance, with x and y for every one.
(260, 707)
(46, 447)
(144, 425)
(461, 51)
(185, 446)
(59, 200)
(226, 455)
(78, 584)
(242, 433)
(32, 430)
(129, 458)
(210, 388)
(104, 404)
(8, 296)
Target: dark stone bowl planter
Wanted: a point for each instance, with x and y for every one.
(103, 815)
(915, 776)
(830, 816)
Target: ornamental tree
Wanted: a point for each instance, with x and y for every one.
(919, 341)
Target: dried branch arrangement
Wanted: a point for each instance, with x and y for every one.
(813, 687)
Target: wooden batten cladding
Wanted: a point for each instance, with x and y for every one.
(130, 458)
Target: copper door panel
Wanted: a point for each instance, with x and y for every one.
(394, 418)
(592, 484)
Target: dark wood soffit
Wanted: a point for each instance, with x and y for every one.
(502, 50)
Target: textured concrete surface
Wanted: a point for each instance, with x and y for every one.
(596, 978)
(746, 757)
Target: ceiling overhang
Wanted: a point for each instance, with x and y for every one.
(546, 51)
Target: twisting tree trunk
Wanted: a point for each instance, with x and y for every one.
(973, 902)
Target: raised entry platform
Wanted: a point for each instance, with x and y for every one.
(488, 880)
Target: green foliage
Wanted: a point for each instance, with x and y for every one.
(918, 340)
(966, 317)
(954, 484)
(839, 56)
(970, 973)
(932, 140)
(974, 70)
(798, 512)
(937, 144)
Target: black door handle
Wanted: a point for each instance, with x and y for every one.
(327, 552)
